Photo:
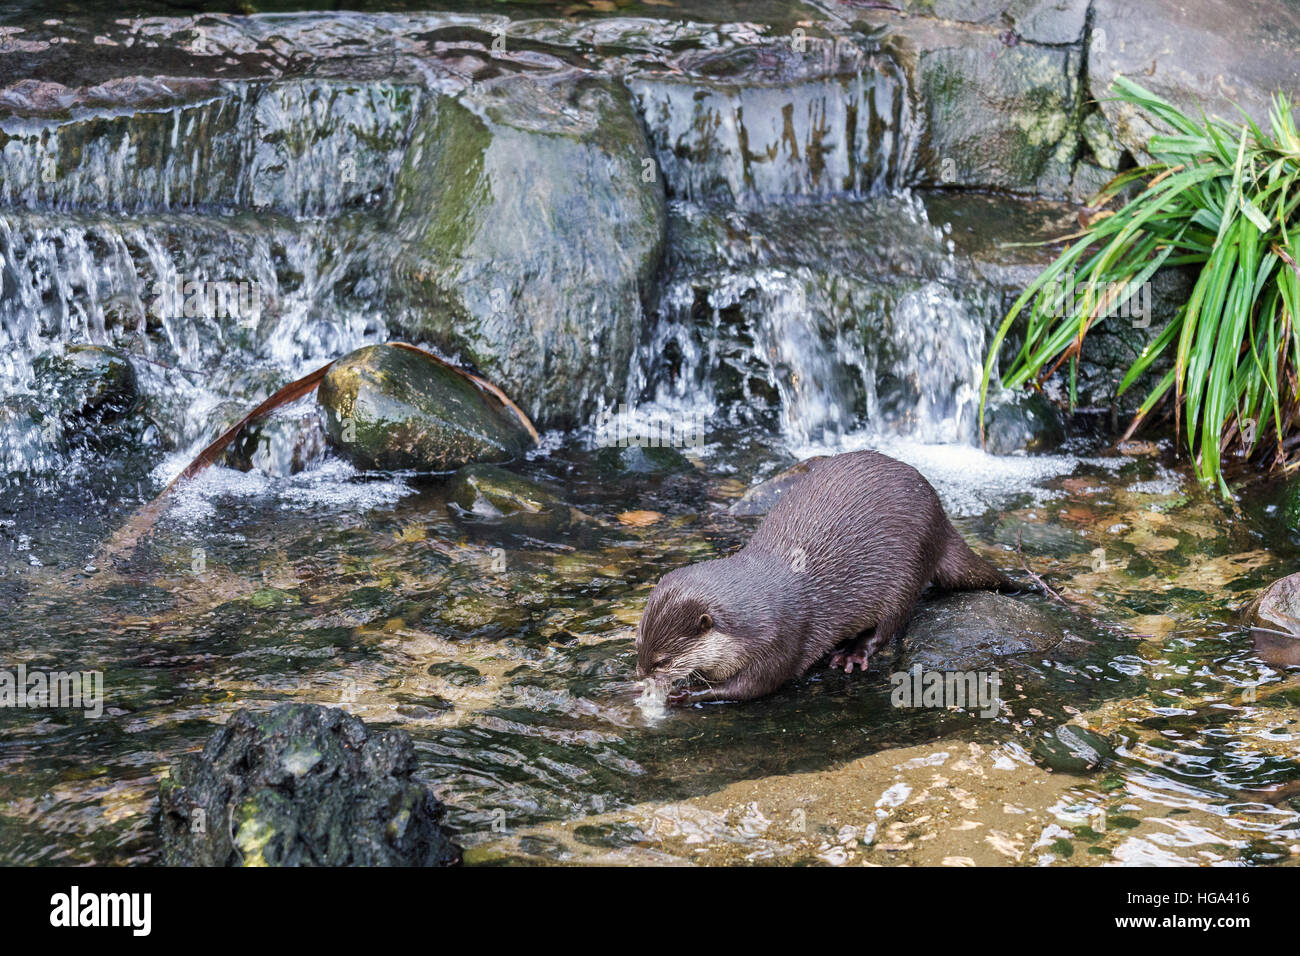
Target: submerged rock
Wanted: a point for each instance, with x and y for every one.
(1072, 749)
(533, 218)
(489, 490)
(1274, 620)
(394, 408)
(510, 501)
(623, 460)
(762, 498)
(301, 785)
(974, 629)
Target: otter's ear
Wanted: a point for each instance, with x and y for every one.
(705, 623)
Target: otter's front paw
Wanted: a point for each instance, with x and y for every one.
(684, 696)
(848, 657)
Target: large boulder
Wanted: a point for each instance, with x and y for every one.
(532, 215)
(301, 785)
(390, 407)
(971, 630)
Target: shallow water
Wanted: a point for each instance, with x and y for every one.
(505, 648)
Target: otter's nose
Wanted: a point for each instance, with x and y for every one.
(641, 673)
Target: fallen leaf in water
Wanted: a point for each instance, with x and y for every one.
(639, 519)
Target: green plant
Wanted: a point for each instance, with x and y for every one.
(1222, 198)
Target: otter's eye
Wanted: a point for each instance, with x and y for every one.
(662, 662)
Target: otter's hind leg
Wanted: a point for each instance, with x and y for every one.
(860, 649)
(961, 569)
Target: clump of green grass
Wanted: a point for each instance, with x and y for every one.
(1220, 197)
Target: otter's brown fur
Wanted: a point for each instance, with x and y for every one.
(844, 555)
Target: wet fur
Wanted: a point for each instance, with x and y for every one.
(869, 533)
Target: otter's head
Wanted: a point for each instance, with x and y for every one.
(695, 632)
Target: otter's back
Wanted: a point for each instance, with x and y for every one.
(860, 523)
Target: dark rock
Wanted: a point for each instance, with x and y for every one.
(301, 785)
(761, 498)
(1274, 620)
(974, 629)
(1028, 421)
(533, 219)
(87, 380)
(390, 407)
(1072, 749)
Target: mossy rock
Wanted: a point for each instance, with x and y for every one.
(394, 408)
(533, 221)
(301, 785)
(489, 490)
(617, 461)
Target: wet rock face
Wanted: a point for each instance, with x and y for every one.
(393, 408)
(534, 218)
(1274, 619)
(301, 785)
(1000, 113)
(974, 629)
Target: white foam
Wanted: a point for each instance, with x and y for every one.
(653, 702)
(968, 479)
(331, 485)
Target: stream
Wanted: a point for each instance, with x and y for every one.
(788, 318)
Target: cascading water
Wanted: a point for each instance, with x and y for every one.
(232, 246)
(831, 341)
(232, 241)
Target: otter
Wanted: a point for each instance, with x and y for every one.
(842, 557)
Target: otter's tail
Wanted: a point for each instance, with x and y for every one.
(961, 569)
